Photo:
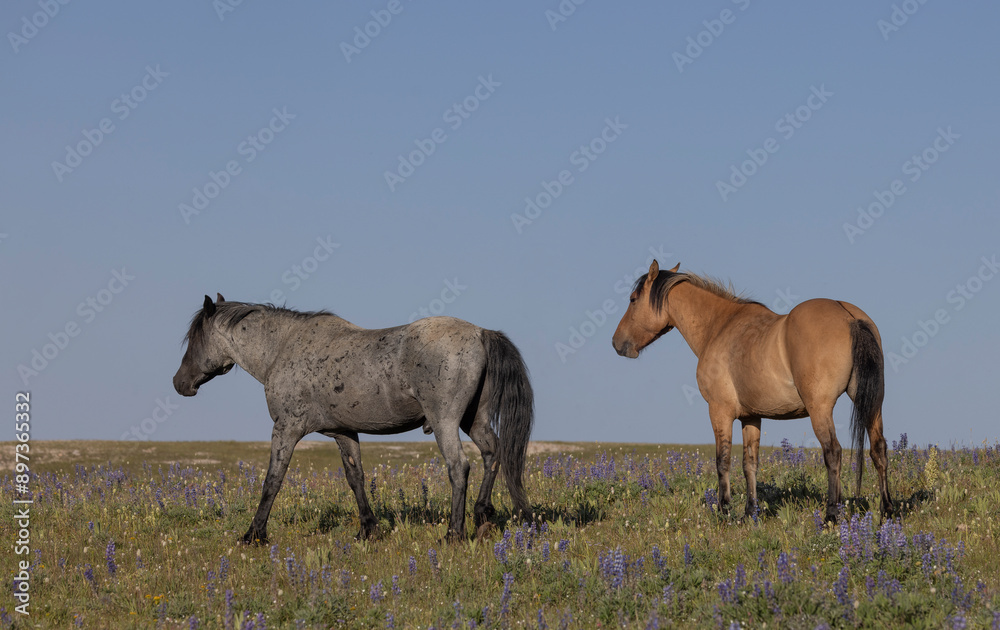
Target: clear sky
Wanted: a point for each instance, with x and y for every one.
(377, 159)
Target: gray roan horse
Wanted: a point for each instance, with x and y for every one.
(754, 363)
(323, 374)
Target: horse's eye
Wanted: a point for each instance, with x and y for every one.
(631, 300)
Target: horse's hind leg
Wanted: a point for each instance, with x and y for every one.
(350, 453)
(880, 458)
(751, 444)
(821, 415)
(486, 440)
(458, 473)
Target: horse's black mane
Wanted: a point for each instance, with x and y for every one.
(229, 314)
(666, 280)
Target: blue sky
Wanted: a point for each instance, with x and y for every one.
(155, 153)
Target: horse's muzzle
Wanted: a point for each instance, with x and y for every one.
(626, 349)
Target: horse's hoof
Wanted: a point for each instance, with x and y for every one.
(254, 538)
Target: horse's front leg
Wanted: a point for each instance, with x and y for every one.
(722, 424)
(350, 453)
(283, 440)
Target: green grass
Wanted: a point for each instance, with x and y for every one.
(618, 548)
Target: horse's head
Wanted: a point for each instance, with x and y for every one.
(206, 357)
(647, 316)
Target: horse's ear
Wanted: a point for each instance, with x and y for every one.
(676, 267)
(209, 306)
(654, 270)
(219, 299)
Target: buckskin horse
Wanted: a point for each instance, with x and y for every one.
(754, 363)
(326, 375)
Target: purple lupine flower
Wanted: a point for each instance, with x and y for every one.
(413, 565)
(712, 499)
(88, 574)
(563, 545)
(395, 586)
(274, 553)
(376, 593)
(545, 551)
(260, 622)
(508, 581)
(109, 557)
(840, 588)
(223, 568)
(958, 621)
(390, 621)
(786, 568)
(727, 593)
(741, 577)
(688, 556)
(192, 623)
(432, 556)
(541, 620)
(818, 521)
(230, 613)
(668, 595)
(345, 578)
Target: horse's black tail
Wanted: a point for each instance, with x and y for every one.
(511, 409)
(869, 374)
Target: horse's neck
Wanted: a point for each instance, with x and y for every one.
(698, 314)
(255, 341)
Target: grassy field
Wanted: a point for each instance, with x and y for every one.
(144, 535)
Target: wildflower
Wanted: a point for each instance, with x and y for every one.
(786, 569)
(192, 623)
(508, 581)
(109, 556)
(545, 551)
(376, 593)
(840, 589)
(688, 556)
(413, 565)
(230, 615)
(390, 621)
(395, 586)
